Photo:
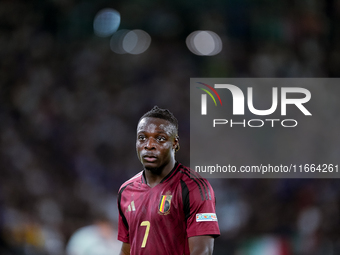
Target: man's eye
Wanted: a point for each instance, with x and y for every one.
(141, 138)
(161, 138)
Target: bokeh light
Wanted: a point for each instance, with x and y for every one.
(204, 43)
(132, 42)
(106, 22)
(116, 42)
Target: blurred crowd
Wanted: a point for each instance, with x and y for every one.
(69, 107)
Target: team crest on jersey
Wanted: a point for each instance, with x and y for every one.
(164, 204)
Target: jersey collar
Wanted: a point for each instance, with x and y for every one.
(169, 175)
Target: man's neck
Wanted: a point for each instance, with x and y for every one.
(154, 177)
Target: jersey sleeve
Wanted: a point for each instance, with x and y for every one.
(123, 227)
(199, 205)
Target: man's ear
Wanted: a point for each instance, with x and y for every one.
(176, 143)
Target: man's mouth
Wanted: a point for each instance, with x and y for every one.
(149, 158)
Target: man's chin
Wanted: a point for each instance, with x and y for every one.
(153, 168)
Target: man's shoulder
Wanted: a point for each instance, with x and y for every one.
(189, 175)
(192, 179)
(134, 179)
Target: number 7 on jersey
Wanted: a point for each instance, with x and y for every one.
(147, 224)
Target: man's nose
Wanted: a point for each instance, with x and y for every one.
(150, 143)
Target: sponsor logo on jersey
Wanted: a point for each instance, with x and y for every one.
(164, 204)
(131, 207)
(206, 217)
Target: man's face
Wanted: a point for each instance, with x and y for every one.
(156, 142)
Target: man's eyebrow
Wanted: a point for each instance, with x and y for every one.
(168, 133)
(158, 132)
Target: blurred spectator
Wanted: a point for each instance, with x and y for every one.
(97, 239)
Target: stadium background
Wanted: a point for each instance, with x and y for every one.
(69, 108)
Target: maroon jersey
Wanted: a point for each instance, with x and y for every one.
(159, 220)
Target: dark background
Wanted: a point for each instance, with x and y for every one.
(69, 107)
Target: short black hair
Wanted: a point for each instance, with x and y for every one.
(164, 114)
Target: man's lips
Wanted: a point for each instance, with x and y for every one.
(149, 158)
